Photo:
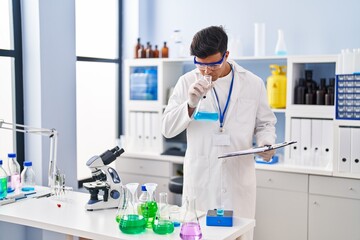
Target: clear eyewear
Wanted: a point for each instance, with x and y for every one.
(211, 66)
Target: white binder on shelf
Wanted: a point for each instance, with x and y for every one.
(305, 138)
(316, 142)
(139, 131)
(355, 150)
(295, 135)
(147, 132)
(327, 142)
(156, 141)
(344, 149)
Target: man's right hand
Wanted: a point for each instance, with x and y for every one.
(196, 91)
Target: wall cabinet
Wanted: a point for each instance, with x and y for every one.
(145, 171)
(281, 207)
(334, 208)
(302, 206)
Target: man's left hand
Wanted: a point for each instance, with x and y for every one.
(267, 155)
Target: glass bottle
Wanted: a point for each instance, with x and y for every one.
(142, 52)
(156, 53)
(162, 223)
(320, 93)
(27, 177)
(165, 51)
(137, 47)
(280, 48)
(14, 173)
(131, 222)
(3, 181)
(300, 91)
(207, 110)
(190, 229)
(148, 51)
(149, 209)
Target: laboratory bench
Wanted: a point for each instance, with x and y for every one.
(293, 202)
(67, 214)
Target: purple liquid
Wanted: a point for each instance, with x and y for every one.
(190, 231)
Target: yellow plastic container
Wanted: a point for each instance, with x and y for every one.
(276, 87)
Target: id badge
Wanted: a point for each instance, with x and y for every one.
(221, 139)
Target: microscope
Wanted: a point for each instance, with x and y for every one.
(106, 179)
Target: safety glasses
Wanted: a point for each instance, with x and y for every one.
(211, 66)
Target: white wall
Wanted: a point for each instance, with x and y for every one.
(49, 82)
(310, 27)
(49, 93)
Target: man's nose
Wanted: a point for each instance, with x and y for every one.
(207, 70)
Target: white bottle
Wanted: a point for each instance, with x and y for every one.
(28, 177)
(280, 49)
(14, 173)
(144, 196)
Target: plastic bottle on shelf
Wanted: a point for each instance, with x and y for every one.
(276, 87)
(3, 181)
(14, 173)
(165, 51)
(28, 177)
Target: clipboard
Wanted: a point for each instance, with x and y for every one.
(257, 149)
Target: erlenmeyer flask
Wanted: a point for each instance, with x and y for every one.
(207, 110)
(131, 222)
(162, 223)
(124, 198)
(190, 228)
(149, 209)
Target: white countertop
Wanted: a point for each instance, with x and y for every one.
(70, 217)
(281, 167)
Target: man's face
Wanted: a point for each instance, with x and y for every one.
(213, 65)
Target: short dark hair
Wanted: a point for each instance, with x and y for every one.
(209, 41)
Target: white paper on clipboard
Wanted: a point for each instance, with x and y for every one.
(257, 149)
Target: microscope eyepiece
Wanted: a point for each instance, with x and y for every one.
(110, 155)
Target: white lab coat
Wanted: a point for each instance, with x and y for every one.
(230, 182)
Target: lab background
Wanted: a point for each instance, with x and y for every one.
(50, 88)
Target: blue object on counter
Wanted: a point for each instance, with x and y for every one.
(273, 160)
(225, 220)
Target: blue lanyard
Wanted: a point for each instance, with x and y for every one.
(222, 114)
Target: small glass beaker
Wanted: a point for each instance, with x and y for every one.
(207, 110)
(190, 228)
(162, 223)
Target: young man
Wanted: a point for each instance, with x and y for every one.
(240, 97)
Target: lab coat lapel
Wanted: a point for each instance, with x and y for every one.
(237, 87)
